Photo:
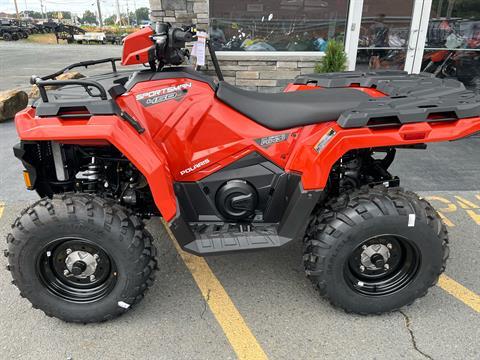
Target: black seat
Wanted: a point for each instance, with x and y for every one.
(291, 109)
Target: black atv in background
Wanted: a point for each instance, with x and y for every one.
(11, 32)
(25, 26)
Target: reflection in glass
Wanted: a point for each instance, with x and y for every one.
(453, 41)
(384, 34)
(371, 59)
(276, 25)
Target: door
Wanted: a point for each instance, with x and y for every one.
(385, 34)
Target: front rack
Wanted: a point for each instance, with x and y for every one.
(85, 64)
(49, 80)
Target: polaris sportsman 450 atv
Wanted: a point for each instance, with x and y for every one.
(228, 170)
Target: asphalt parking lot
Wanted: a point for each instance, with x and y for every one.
(252, 305)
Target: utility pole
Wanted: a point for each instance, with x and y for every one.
(135, 9)
(99, 14)
(16, 9)
(41, 8)
(128, 15)
(119, 16)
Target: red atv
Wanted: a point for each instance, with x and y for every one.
(228, 170)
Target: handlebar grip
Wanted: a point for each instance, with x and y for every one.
(34, 79)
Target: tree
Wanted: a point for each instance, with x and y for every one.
(89, 17)
(110, 20)
(142, 14)
(33, 14)
(59, 15)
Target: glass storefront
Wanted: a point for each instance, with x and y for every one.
(389, 34)
(452, 48)
(276, 25)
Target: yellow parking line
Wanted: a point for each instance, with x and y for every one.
(446, 221)
(2, 206)
(236, 330)
(460, 292)
(465, 204)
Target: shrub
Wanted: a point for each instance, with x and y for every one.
(335, 59)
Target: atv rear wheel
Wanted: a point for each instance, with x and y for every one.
(7, 37)
(375, 250)
(80, 258)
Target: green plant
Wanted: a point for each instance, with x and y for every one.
(335, 59)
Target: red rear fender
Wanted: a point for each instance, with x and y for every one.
(320, 148)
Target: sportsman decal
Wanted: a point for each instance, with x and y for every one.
(165, 94)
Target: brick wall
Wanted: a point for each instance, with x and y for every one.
(185, 12)
(265, 72)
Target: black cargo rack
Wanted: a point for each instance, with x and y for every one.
(84, 108)
(49, 80)
(84, 64)
(410, 98)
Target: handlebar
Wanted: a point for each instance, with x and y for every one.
(179, 35)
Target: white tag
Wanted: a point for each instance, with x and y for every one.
(360, 283)
(199, 48)
(123, 305)
(411, 220)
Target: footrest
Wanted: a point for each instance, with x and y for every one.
(211, 238)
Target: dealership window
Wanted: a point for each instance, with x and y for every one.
(276, 25)
(452, 47)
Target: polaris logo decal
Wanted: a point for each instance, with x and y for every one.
(165, 94)
(265, 142)
(195, 167)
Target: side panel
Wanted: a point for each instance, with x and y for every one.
(199, 133)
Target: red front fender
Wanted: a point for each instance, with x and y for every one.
(138, 148)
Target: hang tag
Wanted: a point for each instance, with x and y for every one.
(199, 48)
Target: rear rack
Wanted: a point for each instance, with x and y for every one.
(410, 98)
(49, 80)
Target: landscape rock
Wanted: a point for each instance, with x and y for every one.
(11, 102)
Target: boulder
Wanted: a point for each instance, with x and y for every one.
(11, 102)
(34, 93)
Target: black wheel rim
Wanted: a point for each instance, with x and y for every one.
(382, 265)
(98, 271)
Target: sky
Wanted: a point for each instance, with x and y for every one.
(77, 7)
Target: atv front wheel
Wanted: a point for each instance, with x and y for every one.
(80, 258)
(375, 250)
